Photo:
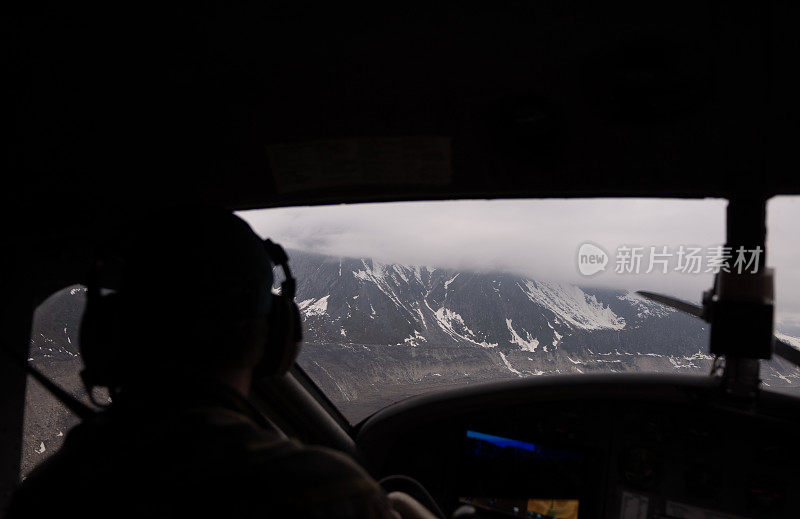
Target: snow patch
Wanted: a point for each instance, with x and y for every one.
(376, 273)
(508, 364)
(676, 364)
(528, 344)
(453, 325)
(572, 305)
(401, 271)
(698, 356)
(414, 340)
(314, 306)
(447, 283)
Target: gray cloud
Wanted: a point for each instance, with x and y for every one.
(535, 238)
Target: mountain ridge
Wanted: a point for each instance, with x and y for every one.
(377, 332)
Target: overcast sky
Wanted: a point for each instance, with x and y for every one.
(538, 238)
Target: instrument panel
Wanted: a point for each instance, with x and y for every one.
(613, 448)
(516, 478)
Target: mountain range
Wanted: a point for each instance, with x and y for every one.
(379, 332)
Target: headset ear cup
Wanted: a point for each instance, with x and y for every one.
(297, 324)
(293, 338)
(99, 341)
(283, 338)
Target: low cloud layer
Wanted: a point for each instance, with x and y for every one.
(537, 238)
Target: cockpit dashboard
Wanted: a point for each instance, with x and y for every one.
(628, 447)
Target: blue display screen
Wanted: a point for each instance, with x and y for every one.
(503, 442)
(485, 445)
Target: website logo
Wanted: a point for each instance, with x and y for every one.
(591, 259)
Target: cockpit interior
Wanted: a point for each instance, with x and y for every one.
(478, 395)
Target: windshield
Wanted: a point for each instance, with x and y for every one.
(404, 298)
(783, 237)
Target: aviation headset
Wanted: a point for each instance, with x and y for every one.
(103, 354)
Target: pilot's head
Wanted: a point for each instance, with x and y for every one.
(195, 296)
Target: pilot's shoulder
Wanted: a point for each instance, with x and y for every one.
(322, 459)
(319, 478)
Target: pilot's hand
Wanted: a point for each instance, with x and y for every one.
(409, 508)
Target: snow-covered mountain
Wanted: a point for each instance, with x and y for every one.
(375, 332)
(361, 301)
